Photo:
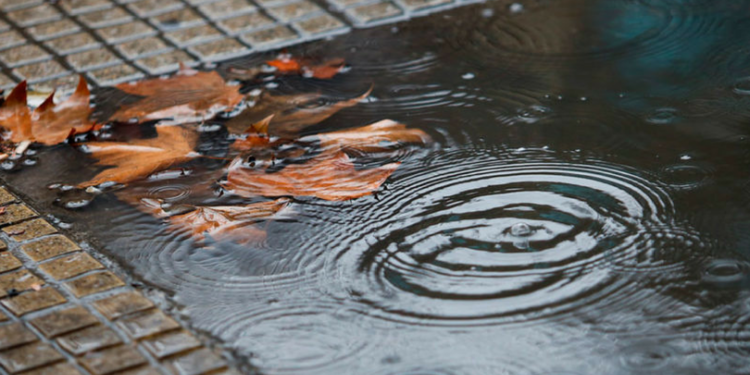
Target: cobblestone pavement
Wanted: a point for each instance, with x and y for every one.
(63, 312)
(111, 41)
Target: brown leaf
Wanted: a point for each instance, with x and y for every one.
(237, 223)
(292, 113)
(378, 137)
(186, 96)
(330, 176)
(141, 158)
(49, 123)
(288, 64)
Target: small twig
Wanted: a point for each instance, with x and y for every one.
(22, 147)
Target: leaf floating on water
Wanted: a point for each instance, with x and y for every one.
(330, 176)
(292, 113)
(257, 136)
(288, 64)
(378, 137)
(236, 223)
(187, 96)
(140, 158)
(50, 123)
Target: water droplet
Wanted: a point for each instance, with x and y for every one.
(520, 230)
(685, 157)
(488, 12)
(73, 204)
(663, 116)
(516, 8)
(468, 76)
(725, 271)
(584, 99)
(29, 162)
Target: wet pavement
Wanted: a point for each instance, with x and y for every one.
(64, 312)
(48, 43)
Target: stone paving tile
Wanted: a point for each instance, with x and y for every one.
(73, 43)
(52, 29)
(40, 71)
(62, 312)
(193, 35)
(125, 31)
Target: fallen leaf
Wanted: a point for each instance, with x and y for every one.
(256, 136)
(381, 136)
(237, 223)
(140, 158)
(187, 96)
(49, 123)
(292, 113)
(330, 176)
(288, 64)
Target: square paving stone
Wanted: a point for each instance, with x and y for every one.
(6, 82)
(14, 4)
(112, 360)
(345, 3)
(72, 43)
(196, 363)
(27, 230)
(64, 321)
(171, 344)
(320, 24)
(24, 54)
(49, 247)
(71, 266)
(142, 47)
(147, 323)
(40, 71)
(141, 371)
(148, 8)
(52, 29)
(33, 301)
(19, 281)
(126, 31)
(374, 12)
(8, 262)
(92, 59)
(414, 5)
(193, 35)
(14, 213)
(94, 283)
(3, 317)
(29, 357)
(63, 84)
(278, 34)
(165, 62)
(56, 369)
(4, 25)
(32, 15)
(122, 304)
(226, 8)
(105, 17)
(5, 196)
(15, 334)
(295, 10)
(115, 74)
(89, 340)
(245, 22)
(84, 6)
(177, 19)
(11, 38)
(219, 49)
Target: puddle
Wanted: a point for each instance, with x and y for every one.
(584, 209)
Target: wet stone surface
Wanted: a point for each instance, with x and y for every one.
(45, 329)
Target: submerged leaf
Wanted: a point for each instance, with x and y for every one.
(292, 113)
(141, 158)
(186, 96)
(49, 123)
(378, 137)
(237, 223)
(330, 176)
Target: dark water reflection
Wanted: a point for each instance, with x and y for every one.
(585, 211)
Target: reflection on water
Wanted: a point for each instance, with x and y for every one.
(584, 211)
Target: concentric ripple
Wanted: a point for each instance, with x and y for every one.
(493, 240)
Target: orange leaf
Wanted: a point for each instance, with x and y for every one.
(237, 223)
(330, 176)
(378, 137)
(50, 123)
(184, 97)
(140, 158)
(287, 64)
(257, 136)
(292, 113)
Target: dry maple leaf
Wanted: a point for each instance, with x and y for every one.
(237, 223)
(184, 97)
(141, 158)
(381, 136)
(329, 176)
(292, 113)
(49, 123)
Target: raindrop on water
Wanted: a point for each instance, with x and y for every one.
(487, 13)
(742, 86)
(516, 8)
(520, 230)
(468, 76)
